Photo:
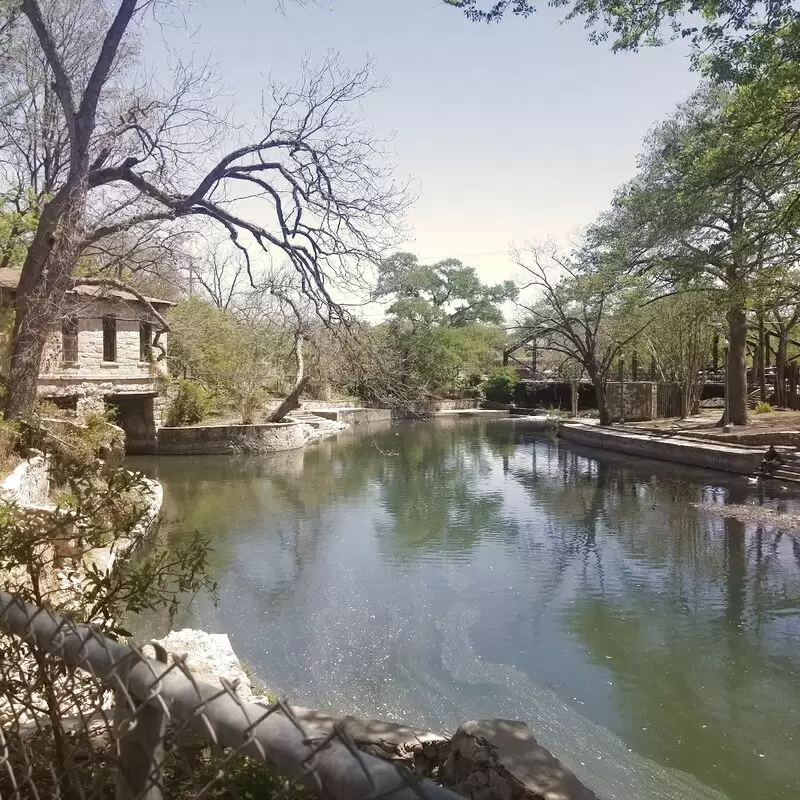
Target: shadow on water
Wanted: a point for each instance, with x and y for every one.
(433, 572)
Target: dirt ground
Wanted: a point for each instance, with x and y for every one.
(705, 424)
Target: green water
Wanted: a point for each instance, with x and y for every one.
(435, 572)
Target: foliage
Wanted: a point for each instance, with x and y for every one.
(499, 386)
(713, 210)
(188, 404)
(236, 361)
(728, 29)
(762, 408)
(18, 218)
(442, 321)
(679, 340)
(49, 557)
(444, 293)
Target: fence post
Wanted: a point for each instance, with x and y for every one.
(141, 750)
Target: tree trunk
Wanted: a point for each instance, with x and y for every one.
(29, 338)
(601, 397)
(793, 376)
(780, 366)
(292, 400)
(715, 353)
(737, 367)
(762, 373)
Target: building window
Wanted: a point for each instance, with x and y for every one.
(145, 341)
(109, 339)
(69, 340)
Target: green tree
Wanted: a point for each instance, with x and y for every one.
(235, 360)
(445, 293)
(442, 320)
(728, 29)
(714, 208)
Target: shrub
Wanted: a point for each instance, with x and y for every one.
(762, 408)
(9, 438)
(189, 404)
(499, 386)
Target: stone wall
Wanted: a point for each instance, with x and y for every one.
(313, 405)
(90, 364)
(641, 400)
(29, 483)
(90, 378)
(356, 416)
(724, 458)
(209, 439)
(457, 405)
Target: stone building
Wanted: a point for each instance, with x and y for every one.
(102, 352)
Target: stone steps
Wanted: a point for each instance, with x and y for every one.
(309, 418)
(786, 475)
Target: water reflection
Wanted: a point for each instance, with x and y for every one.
(436, 572)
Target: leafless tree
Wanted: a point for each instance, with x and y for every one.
(308, 185)
(572, 313)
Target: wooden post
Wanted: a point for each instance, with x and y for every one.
(574, 397)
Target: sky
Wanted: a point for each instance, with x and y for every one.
(510, 132)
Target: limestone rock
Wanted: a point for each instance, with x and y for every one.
(501, 760)
(209, 656)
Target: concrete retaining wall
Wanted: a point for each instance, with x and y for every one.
(210, 439)
(356, 416)
(724, 458)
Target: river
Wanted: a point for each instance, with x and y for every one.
(440, 571)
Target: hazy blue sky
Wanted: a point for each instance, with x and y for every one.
(514, 131)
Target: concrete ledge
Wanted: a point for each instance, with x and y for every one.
(271, 437)
(355, 416)
(721, 457)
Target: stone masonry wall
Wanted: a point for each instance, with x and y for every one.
(641, 401)
(209, 439)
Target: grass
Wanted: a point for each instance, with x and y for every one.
(258, 687)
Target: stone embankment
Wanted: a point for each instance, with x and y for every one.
(484, 760)
(721, 457)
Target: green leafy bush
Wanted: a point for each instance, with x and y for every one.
(189, 404)
(762, 408)
(499, 386)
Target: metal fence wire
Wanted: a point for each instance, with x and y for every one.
(82, 716)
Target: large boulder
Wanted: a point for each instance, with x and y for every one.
(499, 759)
(209, 656)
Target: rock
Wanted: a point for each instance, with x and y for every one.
(501, 760)
(209, 656)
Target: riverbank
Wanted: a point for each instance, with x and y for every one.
(490, 759)
(718, 456)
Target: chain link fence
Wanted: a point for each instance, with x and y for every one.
(83, 716)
